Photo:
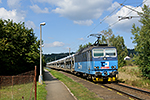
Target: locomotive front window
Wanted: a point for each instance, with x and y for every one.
(110, 52)
(98, 52)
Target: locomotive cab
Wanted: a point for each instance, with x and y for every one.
(104, 63)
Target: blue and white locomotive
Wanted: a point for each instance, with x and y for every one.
(98, 62)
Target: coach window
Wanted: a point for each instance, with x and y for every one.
(98, 53)
(110, 52)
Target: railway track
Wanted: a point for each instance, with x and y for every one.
(135, 93)
(111, 91)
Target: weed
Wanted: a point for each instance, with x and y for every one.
(16, 92)
(41, 91)
(133, 76)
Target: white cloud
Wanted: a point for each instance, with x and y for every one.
(0, 1)
(30, 24)
(13, 3)
(12, 14)
(124, 25)
(55, 44)
(47, 1)
(113, 6)
(37, 9)
(80, 11)
(147, 2)
(82, 22)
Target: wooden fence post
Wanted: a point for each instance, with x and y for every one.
(12, 86)
(35, 84)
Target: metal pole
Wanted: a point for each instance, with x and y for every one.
(41, 77)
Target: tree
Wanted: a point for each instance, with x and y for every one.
(19, 50)
(142, 40)
(106, 36)
(117, 41)
(122, 51)
(83, 46)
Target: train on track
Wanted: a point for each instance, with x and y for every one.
(97, 62)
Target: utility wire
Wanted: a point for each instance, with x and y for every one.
(136, 7)
(119, 20)
(126, 14)
(100, 23)
(122, 4)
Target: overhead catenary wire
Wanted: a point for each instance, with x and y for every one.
(112, 23)
(130, 17)
(126, 14)
(99, 24)
(136, 8)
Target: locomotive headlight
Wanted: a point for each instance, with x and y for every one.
(112, 67)
(95, 67)
(115, 67)
(98, 73)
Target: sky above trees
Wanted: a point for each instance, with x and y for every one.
(69, 22)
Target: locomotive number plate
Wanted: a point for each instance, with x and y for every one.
(104, 67)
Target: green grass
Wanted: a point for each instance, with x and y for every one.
(133, 76)
(41, 91)
(80, 92)
(17, 92)
(24, 90)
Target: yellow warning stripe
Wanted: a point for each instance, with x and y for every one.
(119, 93)
(131, 98)
(102, 86)
(110, 89)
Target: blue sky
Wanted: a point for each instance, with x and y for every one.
(69, 22)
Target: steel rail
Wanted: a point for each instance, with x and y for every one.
(140, 90)
(127, 94)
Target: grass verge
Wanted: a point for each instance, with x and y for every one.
(80, 92)
(23, 90)
(41, 91)
(131, 75)
(16, 92)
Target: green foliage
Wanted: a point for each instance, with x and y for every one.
(83, 46)
(18, 48)
(107, 34)
(142, 40)
(133, 76)
(17, 91)
(118, 42)
(41, 91)
(132, 53)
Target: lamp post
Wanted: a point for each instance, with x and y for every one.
(40, 76)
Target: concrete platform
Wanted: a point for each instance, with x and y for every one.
(56, 90)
